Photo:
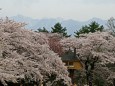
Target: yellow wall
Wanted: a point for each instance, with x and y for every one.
(76, 65)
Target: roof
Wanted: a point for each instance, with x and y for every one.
(70, 55)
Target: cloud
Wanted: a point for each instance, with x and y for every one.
(98, 1)
(75, 9)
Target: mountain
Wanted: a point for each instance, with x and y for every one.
(71, 25)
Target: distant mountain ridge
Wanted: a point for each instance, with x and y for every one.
(71, 25)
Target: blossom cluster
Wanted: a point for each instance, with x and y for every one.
(26, 55)
(100, 44)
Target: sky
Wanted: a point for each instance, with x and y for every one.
(66, 9)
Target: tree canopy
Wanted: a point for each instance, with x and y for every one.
(25, 57)
(42, 30)
(89, 46)
(59, 29)
(92, 27)
(111, 25)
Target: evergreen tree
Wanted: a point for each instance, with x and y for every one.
(42, 30)
(92, 27)
(59, 29)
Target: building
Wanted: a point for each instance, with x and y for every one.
(72, 61)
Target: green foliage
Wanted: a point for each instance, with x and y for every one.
(50, 81)
(80, 77)
(59, 29)
(42, 30)
(92, 27)
(99, 81)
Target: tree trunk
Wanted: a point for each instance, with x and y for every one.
(114, 82)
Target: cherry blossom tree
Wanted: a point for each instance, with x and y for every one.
(97, 48)
(26, 58)
(100, 44)
(111, 25)
(54, 43)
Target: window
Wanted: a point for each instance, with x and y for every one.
(70, 63)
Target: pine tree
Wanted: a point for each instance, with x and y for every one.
(59, 29)
(92, 27)
(42, 30)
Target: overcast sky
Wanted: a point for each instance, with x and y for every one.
(67, 9)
